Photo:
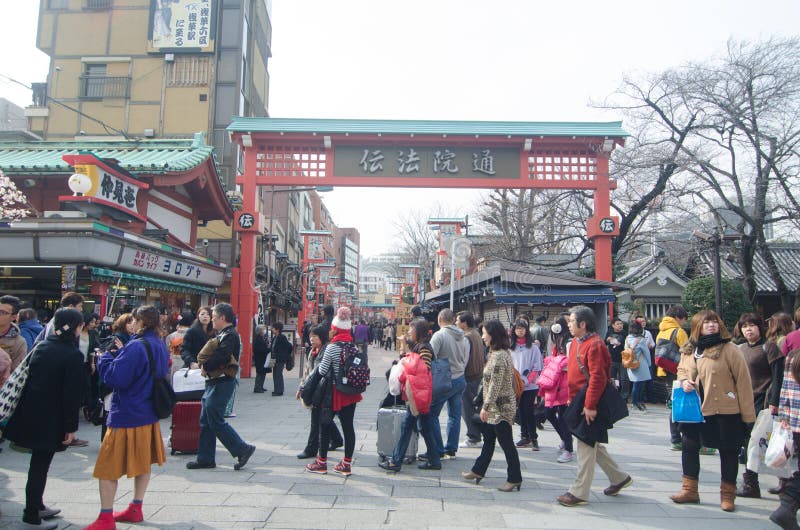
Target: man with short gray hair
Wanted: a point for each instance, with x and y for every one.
(449, 343)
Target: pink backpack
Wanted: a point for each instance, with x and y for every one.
(552, 372)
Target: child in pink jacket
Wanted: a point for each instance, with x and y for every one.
(554, 388)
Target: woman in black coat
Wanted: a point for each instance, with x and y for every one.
(46, 417)
(281, 350)
(196, 337)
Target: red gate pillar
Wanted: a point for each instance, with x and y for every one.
(244, 297)
(602, 227)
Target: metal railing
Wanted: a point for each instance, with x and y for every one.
(97, 4)
(104, 86)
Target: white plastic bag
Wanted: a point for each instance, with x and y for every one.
(395, 388)
(759, 438)
(779, 450)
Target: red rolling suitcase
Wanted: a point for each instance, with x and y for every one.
(185, 436)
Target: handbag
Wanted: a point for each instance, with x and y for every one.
(163, 396)
(780, 448)
(11, 392)
(629, 359)
(611, 407)
(440, 373)
(686, 406)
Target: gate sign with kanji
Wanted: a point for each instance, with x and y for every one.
(248, 222)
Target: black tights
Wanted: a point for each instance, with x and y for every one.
(37, 480)
(690, 458)
(346, 416)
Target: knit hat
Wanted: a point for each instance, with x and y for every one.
(342, 318)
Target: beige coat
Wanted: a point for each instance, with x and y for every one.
(723, 374)
(499, 399)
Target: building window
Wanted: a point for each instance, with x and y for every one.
(95, 84)
(97, 4)
(188, 71)
(58, 4)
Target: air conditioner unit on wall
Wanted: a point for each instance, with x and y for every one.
(66, 214)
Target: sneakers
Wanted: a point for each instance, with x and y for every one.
(676, 446)
(343, 468)
(535, 445)
(449, 455)
(524, 442)
(564, 457)
(706, 451)
(320, 468)
(389, 465)
(569, 500)
(131, 514)
(244, 457)
(466, 444)
(104, 521)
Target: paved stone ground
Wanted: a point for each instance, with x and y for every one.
(274, 492)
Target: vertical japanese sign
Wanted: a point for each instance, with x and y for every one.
(315, 248)
(182, 25)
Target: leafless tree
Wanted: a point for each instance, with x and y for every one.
(416, 241)
(732, 124)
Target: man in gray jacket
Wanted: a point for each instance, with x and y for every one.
(449, 343)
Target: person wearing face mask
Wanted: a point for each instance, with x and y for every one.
(196, 337)
(714, 367)
(765, 362)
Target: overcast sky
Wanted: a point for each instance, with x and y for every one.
(454, 60)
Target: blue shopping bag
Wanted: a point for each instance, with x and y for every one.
(686, 406)
(440, 374)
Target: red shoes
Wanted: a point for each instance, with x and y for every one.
(131, 514)
(105, 521)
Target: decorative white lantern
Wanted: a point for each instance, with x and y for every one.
(79, 183)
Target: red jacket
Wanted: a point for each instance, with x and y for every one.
(416, 383)
(597, 361)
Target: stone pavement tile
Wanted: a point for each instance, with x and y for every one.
(512, 504)
(261, 500)
(210, 514)
(182, 498)
(611, 509)
(244, 488)
(421, 504)
(453, 519)
(408, 491)
(649, 523)
(314, 518)
(566, 521)
(349, 488)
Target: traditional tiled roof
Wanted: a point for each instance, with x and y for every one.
(640, 270)
(485, 128)
(787, 258)
(136, 156)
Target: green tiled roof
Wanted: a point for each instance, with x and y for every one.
(611, 129)
(144, 156)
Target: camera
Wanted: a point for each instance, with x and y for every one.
(205, 242)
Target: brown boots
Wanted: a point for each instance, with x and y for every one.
(727, 494)
(688, 493)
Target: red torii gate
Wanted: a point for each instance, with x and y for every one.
(430, 154)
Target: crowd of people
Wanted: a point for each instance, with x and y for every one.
(489, 377)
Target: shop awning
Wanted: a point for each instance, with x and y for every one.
(546, 295)
(150, 282)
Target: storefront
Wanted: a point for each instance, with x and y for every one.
(115, 221)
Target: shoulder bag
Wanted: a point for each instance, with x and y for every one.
(611, 406)
(11, 392)
(163, 396)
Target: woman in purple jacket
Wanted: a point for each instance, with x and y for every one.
(133, 442)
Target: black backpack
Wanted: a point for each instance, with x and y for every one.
(163, 395)
(353, 376)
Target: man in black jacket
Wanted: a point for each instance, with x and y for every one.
(220, 368)
(281, 350)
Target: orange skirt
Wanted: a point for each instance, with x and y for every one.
(129, 451)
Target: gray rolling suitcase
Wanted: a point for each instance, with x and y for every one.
(390, 420)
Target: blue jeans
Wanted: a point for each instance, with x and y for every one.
(213, 424)
(638, 390)
(453, 400)
(408, 426)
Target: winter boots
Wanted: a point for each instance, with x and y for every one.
(786, 514)
(750, 487)
(688, 493)
(727, 495)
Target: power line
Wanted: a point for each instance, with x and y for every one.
(80, 113)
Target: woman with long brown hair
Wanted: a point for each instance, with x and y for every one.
(716, 369)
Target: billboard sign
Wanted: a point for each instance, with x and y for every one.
(182, 25)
